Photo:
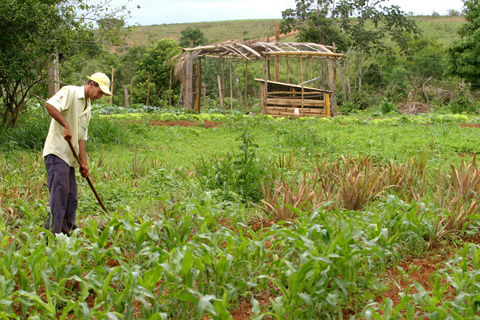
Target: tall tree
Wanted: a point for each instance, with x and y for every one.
(359, 26)
(158, 61)
(194, 35)
(32, 33)
(464, 53)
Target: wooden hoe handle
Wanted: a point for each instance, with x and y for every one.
(88, 179)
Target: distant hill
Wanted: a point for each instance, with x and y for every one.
(443, 28)
(214, 31)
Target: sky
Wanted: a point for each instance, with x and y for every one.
(183, 11)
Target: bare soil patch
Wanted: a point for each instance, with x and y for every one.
(470, 125)
(206, 124)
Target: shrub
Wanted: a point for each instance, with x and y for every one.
(29, 133)
(462, 104)
(388, 106)
(236, 175)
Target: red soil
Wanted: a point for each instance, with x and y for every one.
(206, 124)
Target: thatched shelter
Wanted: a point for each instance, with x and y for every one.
(277, 98)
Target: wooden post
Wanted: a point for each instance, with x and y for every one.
(111, 85)
(246, 84)
(264, 92)
(220, 93)
(131, 91)
(288, 71)
(301, 79)
(198, 86)
(238, 92)
(311, 73)
(170, 89)
(268, 69)
(231, 88)
(329, 74)
(325, 72)
(125, 92)
(334, 80)
(54, 82)
(334, 95)
(148, 86)
(340, 71)
(277, 39)
(327, 104)
(189, 83)
(223, 83)
(262, 97)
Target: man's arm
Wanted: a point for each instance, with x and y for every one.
(55, 113)
(83, 159)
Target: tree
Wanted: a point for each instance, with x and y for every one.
(158, 61)
(194, 35)
(464, 53)
(32, 33)
(453, 12)
(425, 57)
(363, 26)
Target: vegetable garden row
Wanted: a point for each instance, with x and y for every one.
(257, 218)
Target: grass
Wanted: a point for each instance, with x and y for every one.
(443, 28)
(214, 31)
(176, 238)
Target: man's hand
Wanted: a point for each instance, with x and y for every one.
(84, 171)
(67, 133)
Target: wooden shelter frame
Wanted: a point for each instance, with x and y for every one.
(191, 84)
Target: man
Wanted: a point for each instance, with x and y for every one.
(70, 109)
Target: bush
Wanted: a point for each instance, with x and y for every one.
(29, 133)
(102, 130)
(236, 176)
(462, 104)
(388, 106)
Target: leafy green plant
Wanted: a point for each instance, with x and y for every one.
(236, 173)
(388, 106)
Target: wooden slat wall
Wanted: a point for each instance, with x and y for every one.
(295, 102)
(287, 112)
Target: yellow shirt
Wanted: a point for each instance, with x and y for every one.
(70, 101)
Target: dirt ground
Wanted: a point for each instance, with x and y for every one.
(206, 124)
(471, 125)
(415, 270)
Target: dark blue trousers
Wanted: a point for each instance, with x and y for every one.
(63, 195)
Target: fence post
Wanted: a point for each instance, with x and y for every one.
(148, 87)
(220, 92)
(246, 84)
(111, 85)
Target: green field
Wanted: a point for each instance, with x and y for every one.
(213, 31)
(249, 217)
(442, 28)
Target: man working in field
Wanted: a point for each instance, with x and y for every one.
(70, 109)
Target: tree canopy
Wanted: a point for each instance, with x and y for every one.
(464, 53)
(194, 35)
(358, 23)
(33, 32)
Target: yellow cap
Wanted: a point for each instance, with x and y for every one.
(103, 81)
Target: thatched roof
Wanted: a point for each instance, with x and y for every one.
(258, 50)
